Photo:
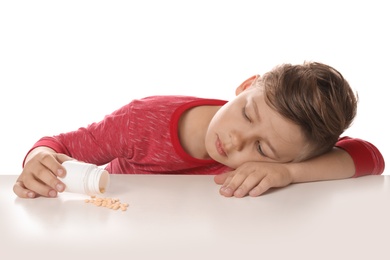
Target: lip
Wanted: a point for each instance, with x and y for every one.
(219, 147)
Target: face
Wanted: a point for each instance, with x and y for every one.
(247, 129)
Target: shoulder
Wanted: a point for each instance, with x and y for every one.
(173, 101)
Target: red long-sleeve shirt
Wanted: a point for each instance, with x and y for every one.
(142, 137)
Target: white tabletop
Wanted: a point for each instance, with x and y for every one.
(184, 217)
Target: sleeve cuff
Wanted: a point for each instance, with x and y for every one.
(367, 158)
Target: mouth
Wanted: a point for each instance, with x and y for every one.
(219, 147)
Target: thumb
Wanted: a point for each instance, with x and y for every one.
(63, 157)
(220, 178)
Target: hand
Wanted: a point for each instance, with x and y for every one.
(39, 175)
(253, 179)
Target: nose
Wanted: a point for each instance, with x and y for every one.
(237, 140)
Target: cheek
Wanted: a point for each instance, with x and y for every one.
(227, 119)
(227, 110)
(218, 124)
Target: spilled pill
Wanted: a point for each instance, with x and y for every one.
(110, 203)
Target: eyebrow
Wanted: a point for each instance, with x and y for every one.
(256, 109)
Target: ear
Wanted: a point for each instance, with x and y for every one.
(246, 84)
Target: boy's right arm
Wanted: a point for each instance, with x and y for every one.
(41, 168)
(352, 157)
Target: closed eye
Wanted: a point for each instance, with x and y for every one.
(259, 149)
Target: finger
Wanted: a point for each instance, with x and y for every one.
(54, 164)
(40, 188)
(63, 157)
(265, 184)
(225, 190)
(221, 178)
(229, 178)
(247, 185)
(22, 192)
(58, 168)
(231, 184)
(47, 178)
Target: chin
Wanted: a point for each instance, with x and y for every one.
(216, 157)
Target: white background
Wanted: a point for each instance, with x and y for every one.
(65, 64)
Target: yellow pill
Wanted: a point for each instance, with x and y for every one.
(111, 203)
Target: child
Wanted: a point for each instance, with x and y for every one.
(281, 128)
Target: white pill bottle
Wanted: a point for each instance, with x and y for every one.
(85, 178)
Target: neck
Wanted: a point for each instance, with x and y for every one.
(193, 125)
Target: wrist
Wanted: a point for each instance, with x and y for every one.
(296, 172)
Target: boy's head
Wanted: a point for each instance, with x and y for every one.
(291, 113)
(314, 96)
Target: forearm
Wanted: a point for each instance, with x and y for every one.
(336, 164)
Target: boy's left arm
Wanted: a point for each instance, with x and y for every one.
(351, 157)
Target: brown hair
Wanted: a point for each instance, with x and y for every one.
(316, 97)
